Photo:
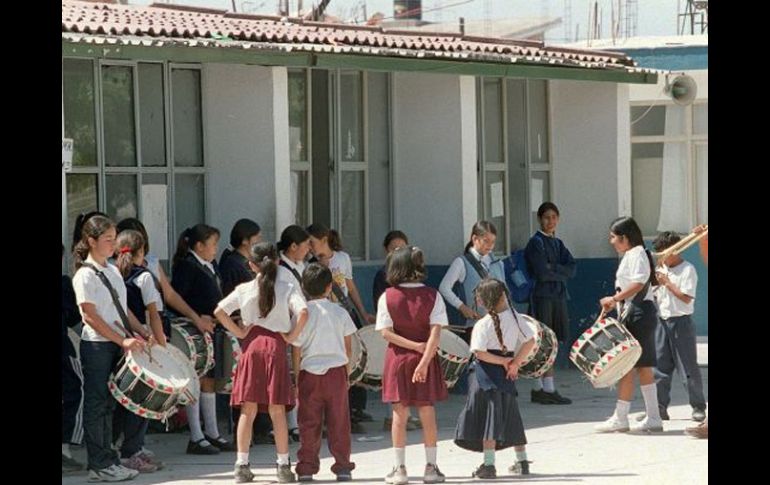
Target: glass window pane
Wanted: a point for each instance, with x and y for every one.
(353, 221)
(518, 175)
(539, 192)
(152, 127)
(298, 116)
(493, 121)
(299, 197)
(702, 182)
(379, 161)
(118, 116)
(351, 117)
(701, 119)
(79, 112)
(121, 195)
(188, 133)
(188, 201)
(494, 207)
(538, 122)
(646, 174)
(82, 197)
(648, 123)
(155, 212)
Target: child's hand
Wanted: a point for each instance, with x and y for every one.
(421, 347)
(205, 324)
(512, 370)
(420, 374)
(607, 303)
(662, 279)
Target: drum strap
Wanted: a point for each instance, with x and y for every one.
(483, 273)
(115, 300)
(296, 275)
(344, 300)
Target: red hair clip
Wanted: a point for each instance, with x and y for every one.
(125, 249)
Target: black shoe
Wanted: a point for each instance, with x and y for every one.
(357, 428)
(198, 448)
(539, 397)
(294, 435)
(698, 415)
(221, 443)
(344, 476)
(520, 468)
(361, 416)
(485, 471)
(304, 478)
(555, 398)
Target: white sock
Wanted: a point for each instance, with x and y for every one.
(400, 456)
(622, 408)
(537, 384)
(291, 419)
(242, 459)
(650, 395)
(430, 454)
(194, 420)
(65, 450)
(209, 407)
(283, 459)
(548, 384)
(521, 455)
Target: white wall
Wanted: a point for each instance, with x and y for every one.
(247, 146)
(587, 143)
(434, 131)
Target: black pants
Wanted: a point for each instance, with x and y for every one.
(72, 397)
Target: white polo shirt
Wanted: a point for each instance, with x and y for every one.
(90, 289)
(323, 339)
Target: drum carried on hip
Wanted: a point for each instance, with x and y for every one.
(605, 352)
(543, 355)
(375, 346)
(198, 346)
(149, 383)
(359, 357)
(454, 356)
(232, 352)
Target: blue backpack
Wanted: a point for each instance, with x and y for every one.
(517, 277)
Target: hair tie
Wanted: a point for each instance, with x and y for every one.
(125, 250)
(266, 259)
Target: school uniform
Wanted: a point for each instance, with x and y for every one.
(234, 269)
(322, 374)
(99, 358)
(675, 340)
(642, 316)
(411, 309)
(262, 372)
(491, 411)
(71, 372)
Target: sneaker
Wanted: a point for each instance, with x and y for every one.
(612, 425)
(284, 473)
(701, 431)
(243, 473)
(553, 398)
(647, 425)
(149, 457)
(221, 443)
(485, 471)
(201, 447)
(344, 476)
(69, 464)
(357, 428)
(136, 462)
(361, 416)
(398, 476)
(433, 474)
(113, 473)
(698, 415)
(539, 397)
(305, 478)
(520, 468)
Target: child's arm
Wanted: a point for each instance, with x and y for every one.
(229, 324)
(92, 318)
(349, 352)
(513, 367)
(136, 325)
(396, 339)
(156, 324)
(421, 372)
(175, 301)
(353, 290)
(298, 328)
(296, 358)
(670, 286)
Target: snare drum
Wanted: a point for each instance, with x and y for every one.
(232, 352)
(454, 355)
(358, 359)
(148, 383)
(198, 346)
(543, 355)
(375, 346)
(192, 392)
(605, 352)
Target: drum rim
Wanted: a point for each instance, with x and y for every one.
(193, 375)
(142, 376)
(627, 358)
(140, 410)
(187, 336)
(237, 352)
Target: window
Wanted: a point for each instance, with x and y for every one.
(339, 142)
(669, 166)
(514, 157)
(128, 120)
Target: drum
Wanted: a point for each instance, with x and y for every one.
(198, 346)
(605, 352)
(358, 359)
(543, 355)
(232, 352)
(192, 392)
(454, 356)
(375, 346)
(148, 383)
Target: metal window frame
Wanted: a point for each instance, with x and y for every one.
(306, 166)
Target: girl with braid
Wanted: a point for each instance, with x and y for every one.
(490, 419)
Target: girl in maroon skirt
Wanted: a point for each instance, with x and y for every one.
(410, 316)
(261, 377)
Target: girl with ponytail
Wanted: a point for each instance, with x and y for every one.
(491, 419)
(261, 380)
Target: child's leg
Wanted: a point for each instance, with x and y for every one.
(245, 422)
(489, 452)
(209, 407)
(280, 430)
(337, 420)
(398, 431)
(429, 432)
(649, 392)
(309, 413)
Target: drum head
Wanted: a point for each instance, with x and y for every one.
(193, 388)
(375, 346)
(159, 366)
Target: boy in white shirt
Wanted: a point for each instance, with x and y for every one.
(675, 335)
(322, 353)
